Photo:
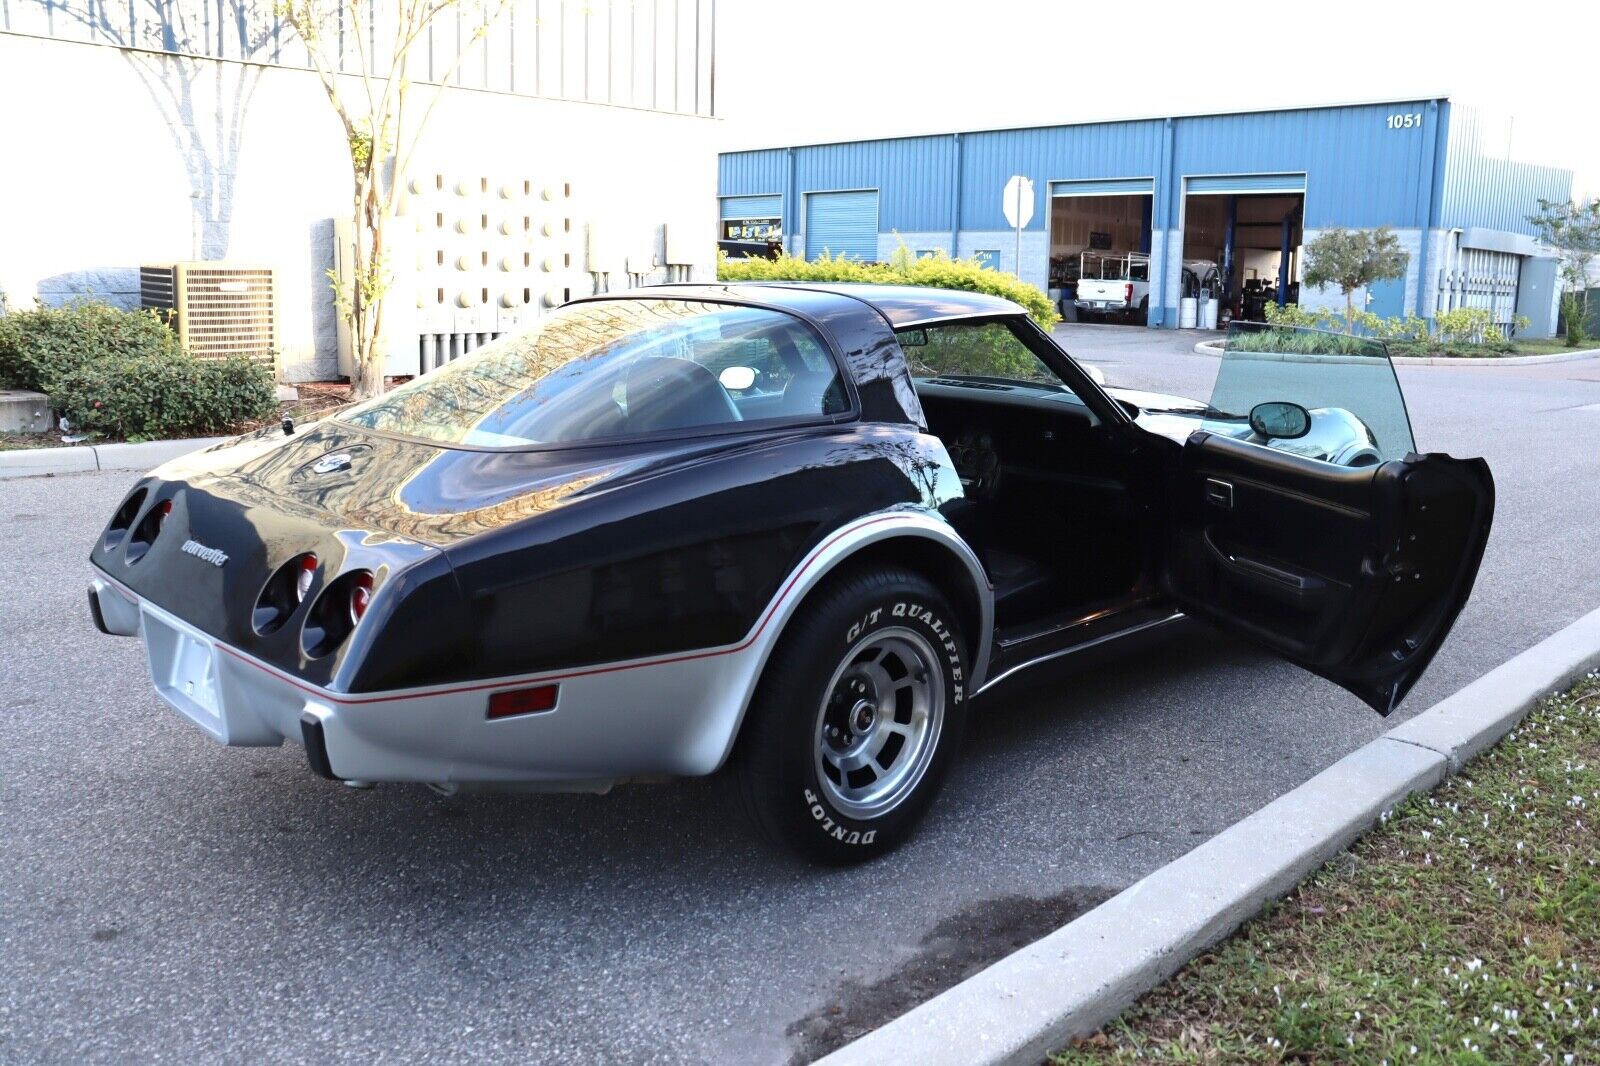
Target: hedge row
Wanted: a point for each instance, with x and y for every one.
(938, 271)
(122, 374)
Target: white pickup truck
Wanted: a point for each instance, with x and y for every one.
(1113, 284)
(1117, 284)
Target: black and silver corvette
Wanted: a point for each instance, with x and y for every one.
(792, 531)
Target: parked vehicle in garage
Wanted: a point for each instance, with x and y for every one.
(1117, 285)
(1113, 284)
(786, 531)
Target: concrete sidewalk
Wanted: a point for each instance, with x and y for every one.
(86, 458)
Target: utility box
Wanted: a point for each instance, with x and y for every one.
(218, 309)
(1538, 297)
(24, 412)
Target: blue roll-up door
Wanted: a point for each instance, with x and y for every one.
(1247, 183)
(843, 223)
(752, 207)
(1104, 187)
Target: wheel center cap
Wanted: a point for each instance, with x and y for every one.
(862, 717)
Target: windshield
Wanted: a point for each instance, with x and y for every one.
(619, 368)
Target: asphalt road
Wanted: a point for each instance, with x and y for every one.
(162, 898)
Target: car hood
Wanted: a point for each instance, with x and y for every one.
(1173, 417)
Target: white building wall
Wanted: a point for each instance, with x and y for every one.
(142, 157)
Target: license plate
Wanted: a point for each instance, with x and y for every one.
(194, 673)
(183, 665)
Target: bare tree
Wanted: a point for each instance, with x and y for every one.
(381, 128)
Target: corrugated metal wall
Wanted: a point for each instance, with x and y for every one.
(757, 173)
(913, 177)
(654, 54)
(1057, 153)
(1482, 187)
(1367, 165)
(1416, 165)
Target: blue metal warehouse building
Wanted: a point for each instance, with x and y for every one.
(1243, 190)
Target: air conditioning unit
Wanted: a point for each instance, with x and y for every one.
(218, 309)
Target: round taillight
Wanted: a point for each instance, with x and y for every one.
(335, 612)
(305, 570)
(283, 593)
(148, 529)
(360, 596)
(123, 519)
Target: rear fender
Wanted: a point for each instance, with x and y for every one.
(850, 543)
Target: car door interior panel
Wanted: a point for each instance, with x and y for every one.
(1355, 573)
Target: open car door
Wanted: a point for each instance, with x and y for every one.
(1303, 519)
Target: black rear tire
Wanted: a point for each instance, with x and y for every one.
(821, 684)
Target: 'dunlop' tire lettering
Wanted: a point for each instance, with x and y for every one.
(832, 828)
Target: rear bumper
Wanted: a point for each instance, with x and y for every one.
(666, 717)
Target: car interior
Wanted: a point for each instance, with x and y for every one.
(1045, 488)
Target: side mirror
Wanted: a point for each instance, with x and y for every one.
(1280, 420)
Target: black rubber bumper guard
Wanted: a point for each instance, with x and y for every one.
(316, 747)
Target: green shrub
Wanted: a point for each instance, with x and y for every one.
(1302, 318)
(39, 348)
(1572, 318)
(1465, 325)
(938, 271)
(1299, 342)
(141, 397)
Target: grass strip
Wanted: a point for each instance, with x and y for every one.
(1465, 929)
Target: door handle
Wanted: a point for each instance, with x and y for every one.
(1220, 493)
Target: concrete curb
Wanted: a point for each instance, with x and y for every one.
(1213, 349)
(43, 462)
(1076, 979)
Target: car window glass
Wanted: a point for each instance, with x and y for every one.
(619, 368)
(983, 351)
(1346, 384)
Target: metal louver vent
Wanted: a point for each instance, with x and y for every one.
(218, 309)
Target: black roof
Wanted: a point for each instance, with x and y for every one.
(902, 305)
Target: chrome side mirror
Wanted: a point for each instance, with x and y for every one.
(1280, 420)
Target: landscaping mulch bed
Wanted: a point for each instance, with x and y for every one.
(1465, 929)
(316, 400)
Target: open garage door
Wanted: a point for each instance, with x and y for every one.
(1242, 232)
(1101, 228)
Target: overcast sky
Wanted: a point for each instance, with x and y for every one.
(792, 71)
